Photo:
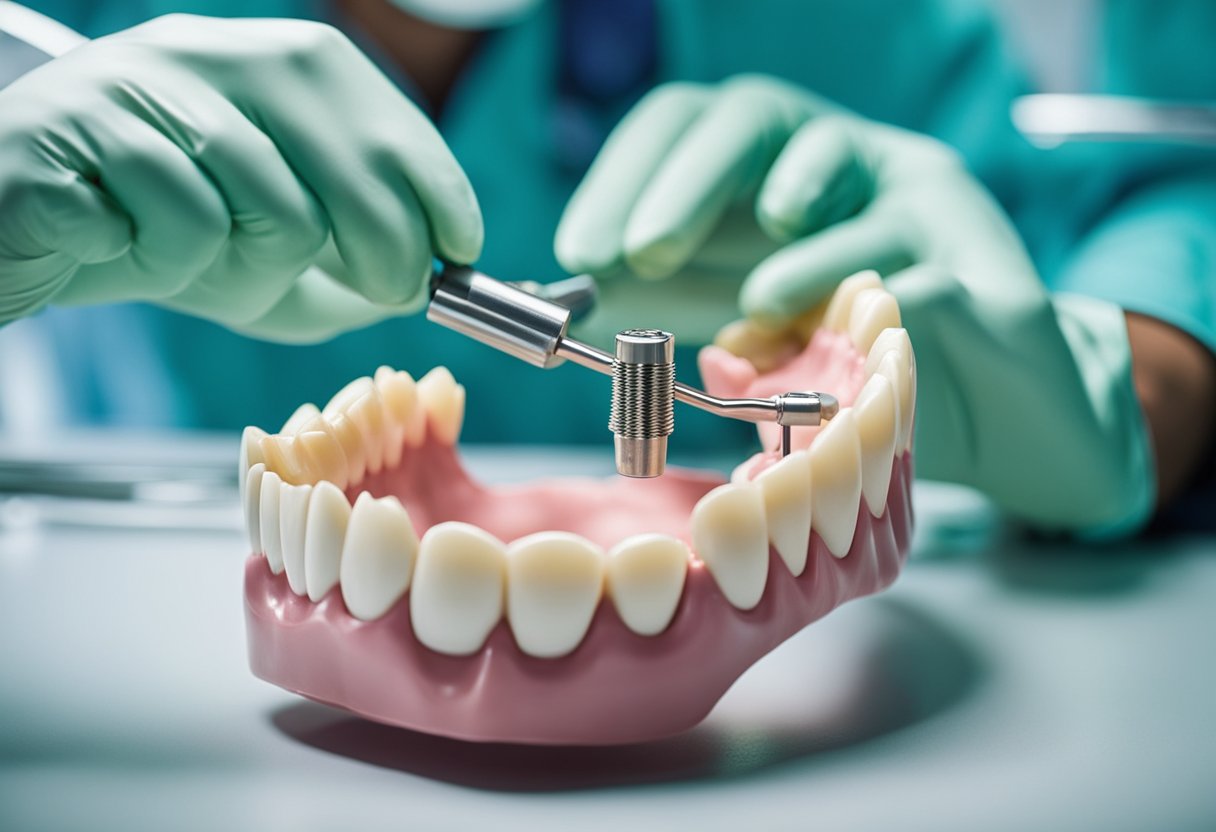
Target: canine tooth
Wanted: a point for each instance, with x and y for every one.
(367, 413)
(840, 307)
(786, 487)
(251, 498)
(729, 535)
(326, 461)
(347, 396)
(377, 557)
(399, 392)
(251, 454)
(303, 414)
(268, 513)
(877, 413)
(457, 594)
(873, 311)
(892, 355)
(349, 439)
(283, 458)
(293, 517)
(324, 535)
(836, 473)
(646, 575)
(554, 582)
(444, 401)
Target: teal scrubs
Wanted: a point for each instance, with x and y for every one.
(934, 66)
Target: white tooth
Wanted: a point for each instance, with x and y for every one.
(786, 487)
(836, 473)
(268, 513)
(645, 578)
(293, 517)
(304, 413)
(325, 533)
(840, 307)
(892, 356)
(729, 535)
(349, 439)
(877, 413)
(252, 500)
(377, 557)
(873, 311)
(554, 582)
(251, 454)
(326, 461)
(399, 392)
(347, 396)
(444, 402)
(281, 456)
(457, 595)
(367, 413)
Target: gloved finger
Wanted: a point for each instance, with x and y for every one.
(317, 308)
(393, 192)
(180, 221)
(803, 273)
(277, 224)
(821, 177)
(53, 209)
(722, 156)
(591, 234)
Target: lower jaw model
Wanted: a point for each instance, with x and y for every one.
(386, 581)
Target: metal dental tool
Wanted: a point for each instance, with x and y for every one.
(644, 387)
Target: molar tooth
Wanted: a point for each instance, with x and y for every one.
(840, 307)
(283, 458)
(399, 392)
(268, 513)
(349, 439)
(729, 535)
(765, 348)
(873, 311)
(250, 455)
(836, 473)
(347, 396)
(367, 413)
(377, 557)
(786, 487)
(293, 517)
(326, 461)
(892, 355)
(324, 535)
(457, 595)
(251, 498)
(554, 582)
(646, 575)
(877, 413)
(444, 401)
(303, 414)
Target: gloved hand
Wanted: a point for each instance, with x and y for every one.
(1025, 396)
(208, 165)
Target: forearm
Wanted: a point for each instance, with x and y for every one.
(1175, 378)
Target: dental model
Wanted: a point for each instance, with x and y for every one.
(571, 611)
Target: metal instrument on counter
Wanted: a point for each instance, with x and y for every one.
(644, 388)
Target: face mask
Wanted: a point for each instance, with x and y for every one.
(468, 14)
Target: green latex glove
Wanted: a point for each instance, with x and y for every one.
(1024, 396)
(213, 166)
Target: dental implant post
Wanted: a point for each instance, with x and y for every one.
(642, 414)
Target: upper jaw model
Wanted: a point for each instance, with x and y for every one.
(385, 580)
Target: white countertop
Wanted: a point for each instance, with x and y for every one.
(997, 686)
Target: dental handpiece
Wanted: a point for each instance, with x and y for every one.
(644, 388)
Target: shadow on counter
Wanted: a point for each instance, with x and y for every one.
(898, 667)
